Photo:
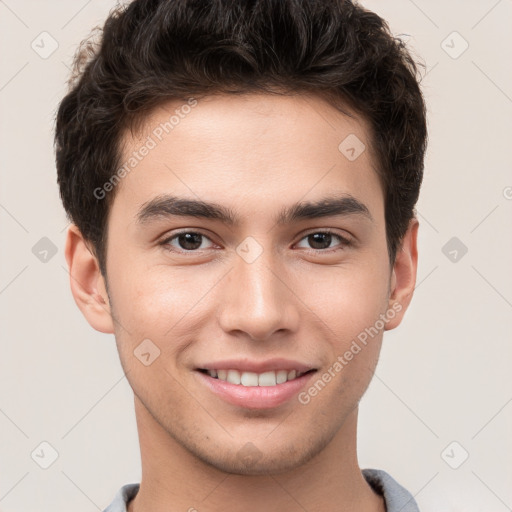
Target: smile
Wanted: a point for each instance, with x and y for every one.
(252, 379)
(254, 390)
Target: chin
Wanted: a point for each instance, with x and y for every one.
(263, 461)
(264, 466)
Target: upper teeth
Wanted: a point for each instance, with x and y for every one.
(270, 378)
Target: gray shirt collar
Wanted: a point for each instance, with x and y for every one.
(396, 497)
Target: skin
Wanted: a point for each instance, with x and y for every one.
(254, 154)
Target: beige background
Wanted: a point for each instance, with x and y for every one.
(444, 375)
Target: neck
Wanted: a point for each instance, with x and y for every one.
(173, 479)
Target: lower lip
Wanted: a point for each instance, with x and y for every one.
(255, 397)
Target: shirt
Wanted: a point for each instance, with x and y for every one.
(396, 497)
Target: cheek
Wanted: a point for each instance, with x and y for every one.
(349, 299)
(155, 315)
(160, 303)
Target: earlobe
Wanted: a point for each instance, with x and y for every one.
(87, 283)
(403, 277)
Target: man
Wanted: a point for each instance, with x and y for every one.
(241, 178)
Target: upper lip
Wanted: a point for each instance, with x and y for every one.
(247, 365)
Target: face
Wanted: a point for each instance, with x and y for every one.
(273, 275)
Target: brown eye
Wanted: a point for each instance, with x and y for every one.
(321, 240)
(186, 241)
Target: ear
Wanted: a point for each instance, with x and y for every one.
(87, 283)
(403, 276)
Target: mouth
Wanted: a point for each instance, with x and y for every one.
(253, 379)
(254, 390)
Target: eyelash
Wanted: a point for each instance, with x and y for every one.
(344, 241)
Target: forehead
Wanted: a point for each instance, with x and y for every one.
(264, 149)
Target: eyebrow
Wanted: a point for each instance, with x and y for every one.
(171, 206)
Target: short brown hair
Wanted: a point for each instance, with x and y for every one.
(153, 51)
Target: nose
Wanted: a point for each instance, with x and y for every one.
(258, 300)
